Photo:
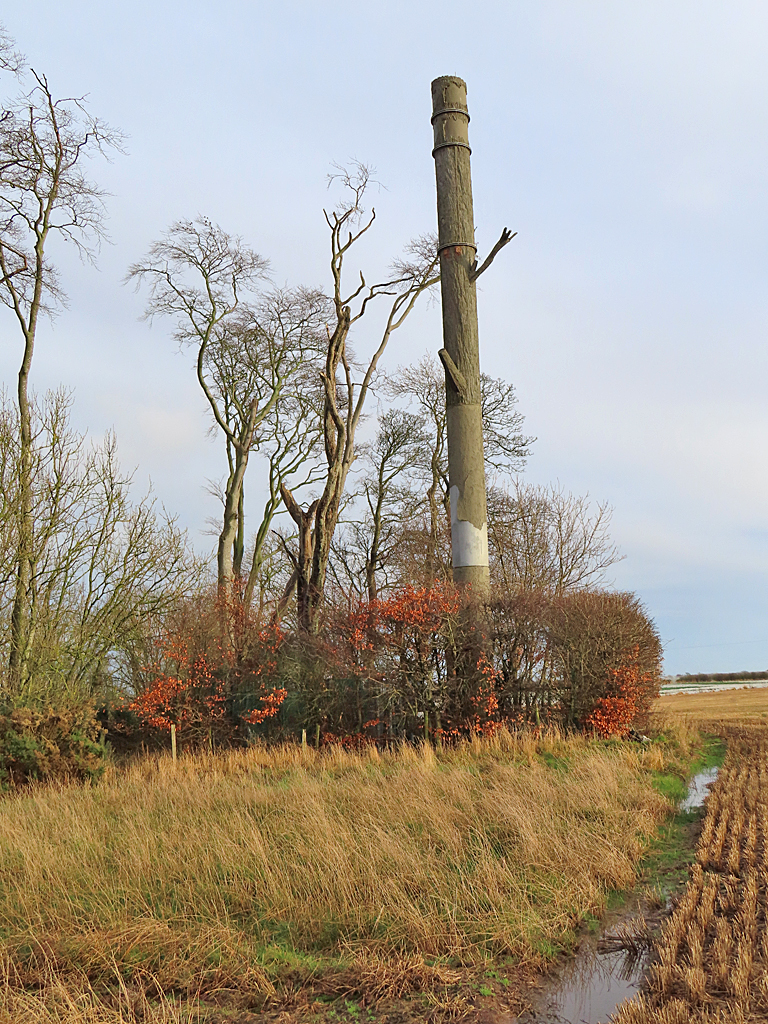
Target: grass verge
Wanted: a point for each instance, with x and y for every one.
(236, 883)
(666, 864)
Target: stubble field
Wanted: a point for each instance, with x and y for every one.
(711, 959)
(740, 705)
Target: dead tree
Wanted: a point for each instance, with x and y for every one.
(461, 355)
(344, 397)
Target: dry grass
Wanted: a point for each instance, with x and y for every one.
(59, 1000)
(712, 957)
(242, 877)
(721, 706)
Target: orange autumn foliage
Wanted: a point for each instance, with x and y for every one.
(616, 712)
(406, 666)
(204, 674)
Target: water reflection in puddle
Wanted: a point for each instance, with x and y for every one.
(590, 989)
(593, 985)
(698, 791)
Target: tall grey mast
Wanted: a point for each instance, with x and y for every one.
(461, 354)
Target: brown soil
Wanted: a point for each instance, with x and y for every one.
(345, 1002)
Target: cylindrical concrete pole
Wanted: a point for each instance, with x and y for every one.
(461, 354)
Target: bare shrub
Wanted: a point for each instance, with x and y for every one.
(103, 564)
(593, 637)
(586, 659)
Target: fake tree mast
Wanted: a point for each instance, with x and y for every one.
(461, 355)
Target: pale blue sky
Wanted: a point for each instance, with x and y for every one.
(626, 143)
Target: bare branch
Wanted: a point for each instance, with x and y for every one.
(505, 237)
(10, 59)
(457, 377)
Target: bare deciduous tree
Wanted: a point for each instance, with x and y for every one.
(251, 352)
(344, 399)
(10, 59)
(506, 448)
(544, 539)
(273, 354)
(100, 564)
(389, 491)
(199, 274)
(424, 383)
(291, 443)
(43, 192)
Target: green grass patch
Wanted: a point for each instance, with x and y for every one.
(666, 865)
(558, 764)
(667, 862)
(712, 755)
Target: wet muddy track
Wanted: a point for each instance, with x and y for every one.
(711, 959)
(610, 966)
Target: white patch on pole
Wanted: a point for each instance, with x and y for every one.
(469, 545)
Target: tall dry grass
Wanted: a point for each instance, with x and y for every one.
(232, 876)
(62, 1000)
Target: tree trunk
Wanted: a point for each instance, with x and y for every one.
(21, 624)
(230, 549)
(225, 558)
(373, 552)
(239, 545)
(326, 518)
(434, 521)
(302, 571)
(20, 613)
(461, 355)
(316, 526)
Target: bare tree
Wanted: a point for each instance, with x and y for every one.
(198, 274)
(251, 349)
(424, 384)
(291, 442)
(43, 192)
(544, 539)
(101, 565)
(10, 59)
(273, 353)
(344, 399)
(506, 448)
(389, 492)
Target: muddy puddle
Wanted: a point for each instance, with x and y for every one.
(698, 791)
(608, 967)
(602, 974)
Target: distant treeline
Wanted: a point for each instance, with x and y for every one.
(720, 677)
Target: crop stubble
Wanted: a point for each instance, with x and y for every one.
(711, 961)
(717, 706)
